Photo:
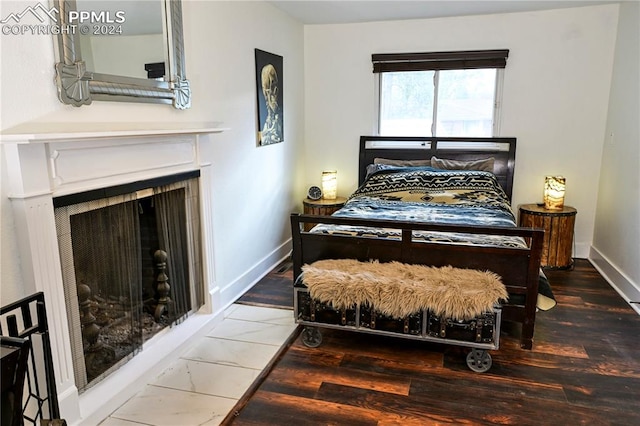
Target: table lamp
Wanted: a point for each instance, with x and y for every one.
(554, 188)
(329, 185)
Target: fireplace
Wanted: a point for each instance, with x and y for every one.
(130, 266)
(60, 183)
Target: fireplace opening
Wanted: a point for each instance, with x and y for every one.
(131, 268)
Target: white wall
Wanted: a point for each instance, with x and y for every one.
(253, 186)
(256, 187)
(27, 91)
(555, 93)
(616, 240)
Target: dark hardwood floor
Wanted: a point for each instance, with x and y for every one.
(584, 369)
(275, 289)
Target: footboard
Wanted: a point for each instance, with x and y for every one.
(518, 267)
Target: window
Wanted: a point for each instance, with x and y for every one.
(439, 94)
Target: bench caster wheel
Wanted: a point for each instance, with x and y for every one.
(311, 337)
(479, 360)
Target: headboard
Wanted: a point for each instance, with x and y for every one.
(503, 150)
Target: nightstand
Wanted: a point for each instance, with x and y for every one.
(558, 233)
(321, 207)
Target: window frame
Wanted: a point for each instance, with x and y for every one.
(438, 61)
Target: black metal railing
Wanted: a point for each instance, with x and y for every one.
(17, 320)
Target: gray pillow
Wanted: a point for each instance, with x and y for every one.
(402, 163)
(484, 165)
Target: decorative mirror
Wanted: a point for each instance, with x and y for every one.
(123, 50)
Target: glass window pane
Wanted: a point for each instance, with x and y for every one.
(466, 102)
(406, 103)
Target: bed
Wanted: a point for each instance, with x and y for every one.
(407, 211)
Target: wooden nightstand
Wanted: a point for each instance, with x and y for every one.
(558, 233)
(321, 207)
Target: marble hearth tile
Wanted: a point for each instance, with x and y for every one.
(249, 331)
(232, 352)
(169, 407)
(206, 378)
(204, 385)
(261, 314)
(110, 421)
(230, 310)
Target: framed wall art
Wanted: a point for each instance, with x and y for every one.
(269, 84)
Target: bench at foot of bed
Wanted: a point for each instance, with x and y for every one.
(481, 333)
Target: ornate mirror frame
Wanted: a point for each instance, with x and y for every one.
(77, 86)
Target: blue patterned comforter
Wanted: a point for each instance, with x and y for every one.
(457, 197)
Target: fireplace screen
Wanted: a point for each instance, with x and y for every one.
(131, 268)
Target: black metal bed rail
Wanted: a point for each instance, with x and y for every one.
(17, 320)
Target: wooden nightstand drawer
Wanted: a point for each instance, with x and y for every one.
(558, 232)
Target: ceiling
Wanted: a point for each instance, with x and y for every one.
(352, 11)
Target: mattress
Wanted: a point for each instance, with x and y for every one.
(425, 194)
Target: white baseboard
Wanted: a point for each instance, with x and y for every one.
(581, 250)
(629, 290)
(231, 292)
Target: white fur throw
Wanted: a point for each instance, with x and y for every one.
(398, 289)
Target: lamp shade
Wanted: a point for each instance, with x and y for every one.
(554, 188)
(330, 185)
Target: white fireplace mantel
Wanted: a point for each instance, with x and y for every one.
(51, 132)
(75, 157)
(47, 160)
